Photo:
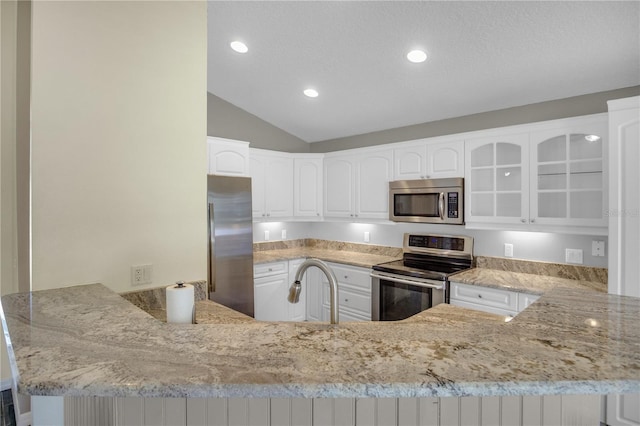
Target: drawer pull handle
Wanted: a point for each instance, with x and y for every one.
(346, 300)
(479, 296)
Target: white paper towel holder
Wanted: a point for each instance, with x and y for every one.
(180, 284)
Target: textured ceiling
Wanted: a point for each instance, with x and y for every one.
(483, 56)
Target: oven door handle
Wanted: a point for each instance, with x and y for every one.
(410, 282)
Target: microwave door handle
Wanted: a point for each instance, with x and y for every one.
(441, 205)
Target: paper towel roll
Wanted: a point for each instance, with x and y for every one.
(180, 303)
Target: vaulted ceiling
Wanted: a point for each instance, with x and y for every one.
(482, 56)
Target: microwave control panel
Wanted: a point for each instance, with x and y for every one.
(452, 205)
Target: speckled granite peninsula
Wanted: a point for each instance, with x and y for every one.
(88, 340)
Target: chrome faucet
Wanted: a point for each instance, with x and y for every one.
(296, 287)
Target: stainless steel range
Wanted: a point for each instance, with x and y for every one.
(420, 280)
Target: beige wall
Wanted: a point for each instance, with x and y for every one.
(561, 108)
(118, 142)
(228, 121)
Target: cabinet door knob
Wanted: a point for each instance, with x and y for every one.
(523, 220)
(346, 300)
(533, 220)
(268, 214)
(479, 296)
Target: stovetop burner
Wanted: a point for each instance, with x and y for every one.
(428, 256)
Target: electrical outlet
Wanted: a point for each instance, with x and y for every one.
(573, 256)
(141, 274)
(367, 236)
(597, 248)
(283, 234)
(508, 250)
(266, 235)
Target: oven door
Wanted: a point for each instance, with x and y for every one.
(397, 297)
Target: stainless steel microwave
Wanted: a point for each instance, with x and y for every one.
(427, 201)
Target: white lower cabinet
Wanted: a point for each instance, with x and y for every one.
(354, 293)
(492, 300)
(554, 410)
(271, 289)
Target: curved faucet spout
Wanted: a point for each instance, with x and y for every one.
(296, 287)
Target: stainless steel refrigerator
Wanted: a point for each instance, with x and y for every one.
(230, 242)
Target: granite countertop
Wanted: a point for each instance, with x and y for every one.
(88, 340)
(355, 258)
(522, 282)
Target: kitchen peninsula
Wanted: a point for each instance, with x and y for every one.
(88, 340)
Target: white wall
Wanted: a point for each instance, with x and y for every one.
(118, 141)
(538, 246)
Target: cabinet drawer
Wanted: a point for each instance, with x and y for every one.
(352, 276)
(483, 308)
(501, 299)
(267, 269)
(359, 303)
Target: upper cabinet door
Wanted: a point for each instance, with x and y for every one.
(497, 179)
(429, 160)
(372, 192)
(445, 159)
(568, 170)
(410, 162)
(228, 157)
(339, 186)
(271, 184)
(307, 186)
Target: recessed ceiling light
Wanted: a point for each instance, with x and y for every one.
(312, 93)
(416, 56)
(592, 138)
(239, 46)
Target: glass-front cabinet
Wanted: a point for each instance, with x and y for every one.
(551, 176)
(568, 176)
(497, 179)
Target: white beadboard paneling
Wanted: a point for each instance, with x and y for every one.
(408, 412)
(469, 411)
(196, 412)
(258, 412)
(449, 411)
(301, 412)
(217, 412)
(551, 410)
(511, 410)
(429, 411)
(365, 412)
(490, 410)
(531, 411)
(129, 411)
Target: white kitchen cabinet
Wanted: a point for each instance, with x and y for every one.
(550, 176)
(497, 179)
(270, 291)
(271, 184)
(227, 157)
(307, 185)
(297, 311)
(354, 293)
(429, 159)
(624, 227)
(492, 300)
(356, 185)
(568, 171)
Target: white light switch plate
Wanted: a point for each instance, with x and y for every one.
(266, 235)
(367, 236)
(573, 256)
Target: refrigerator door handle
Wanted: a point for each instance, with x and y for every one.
(212, 243)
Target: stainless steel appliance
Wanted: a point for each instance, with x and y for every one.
(420, 280)
(427, 201)
(230, 242)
